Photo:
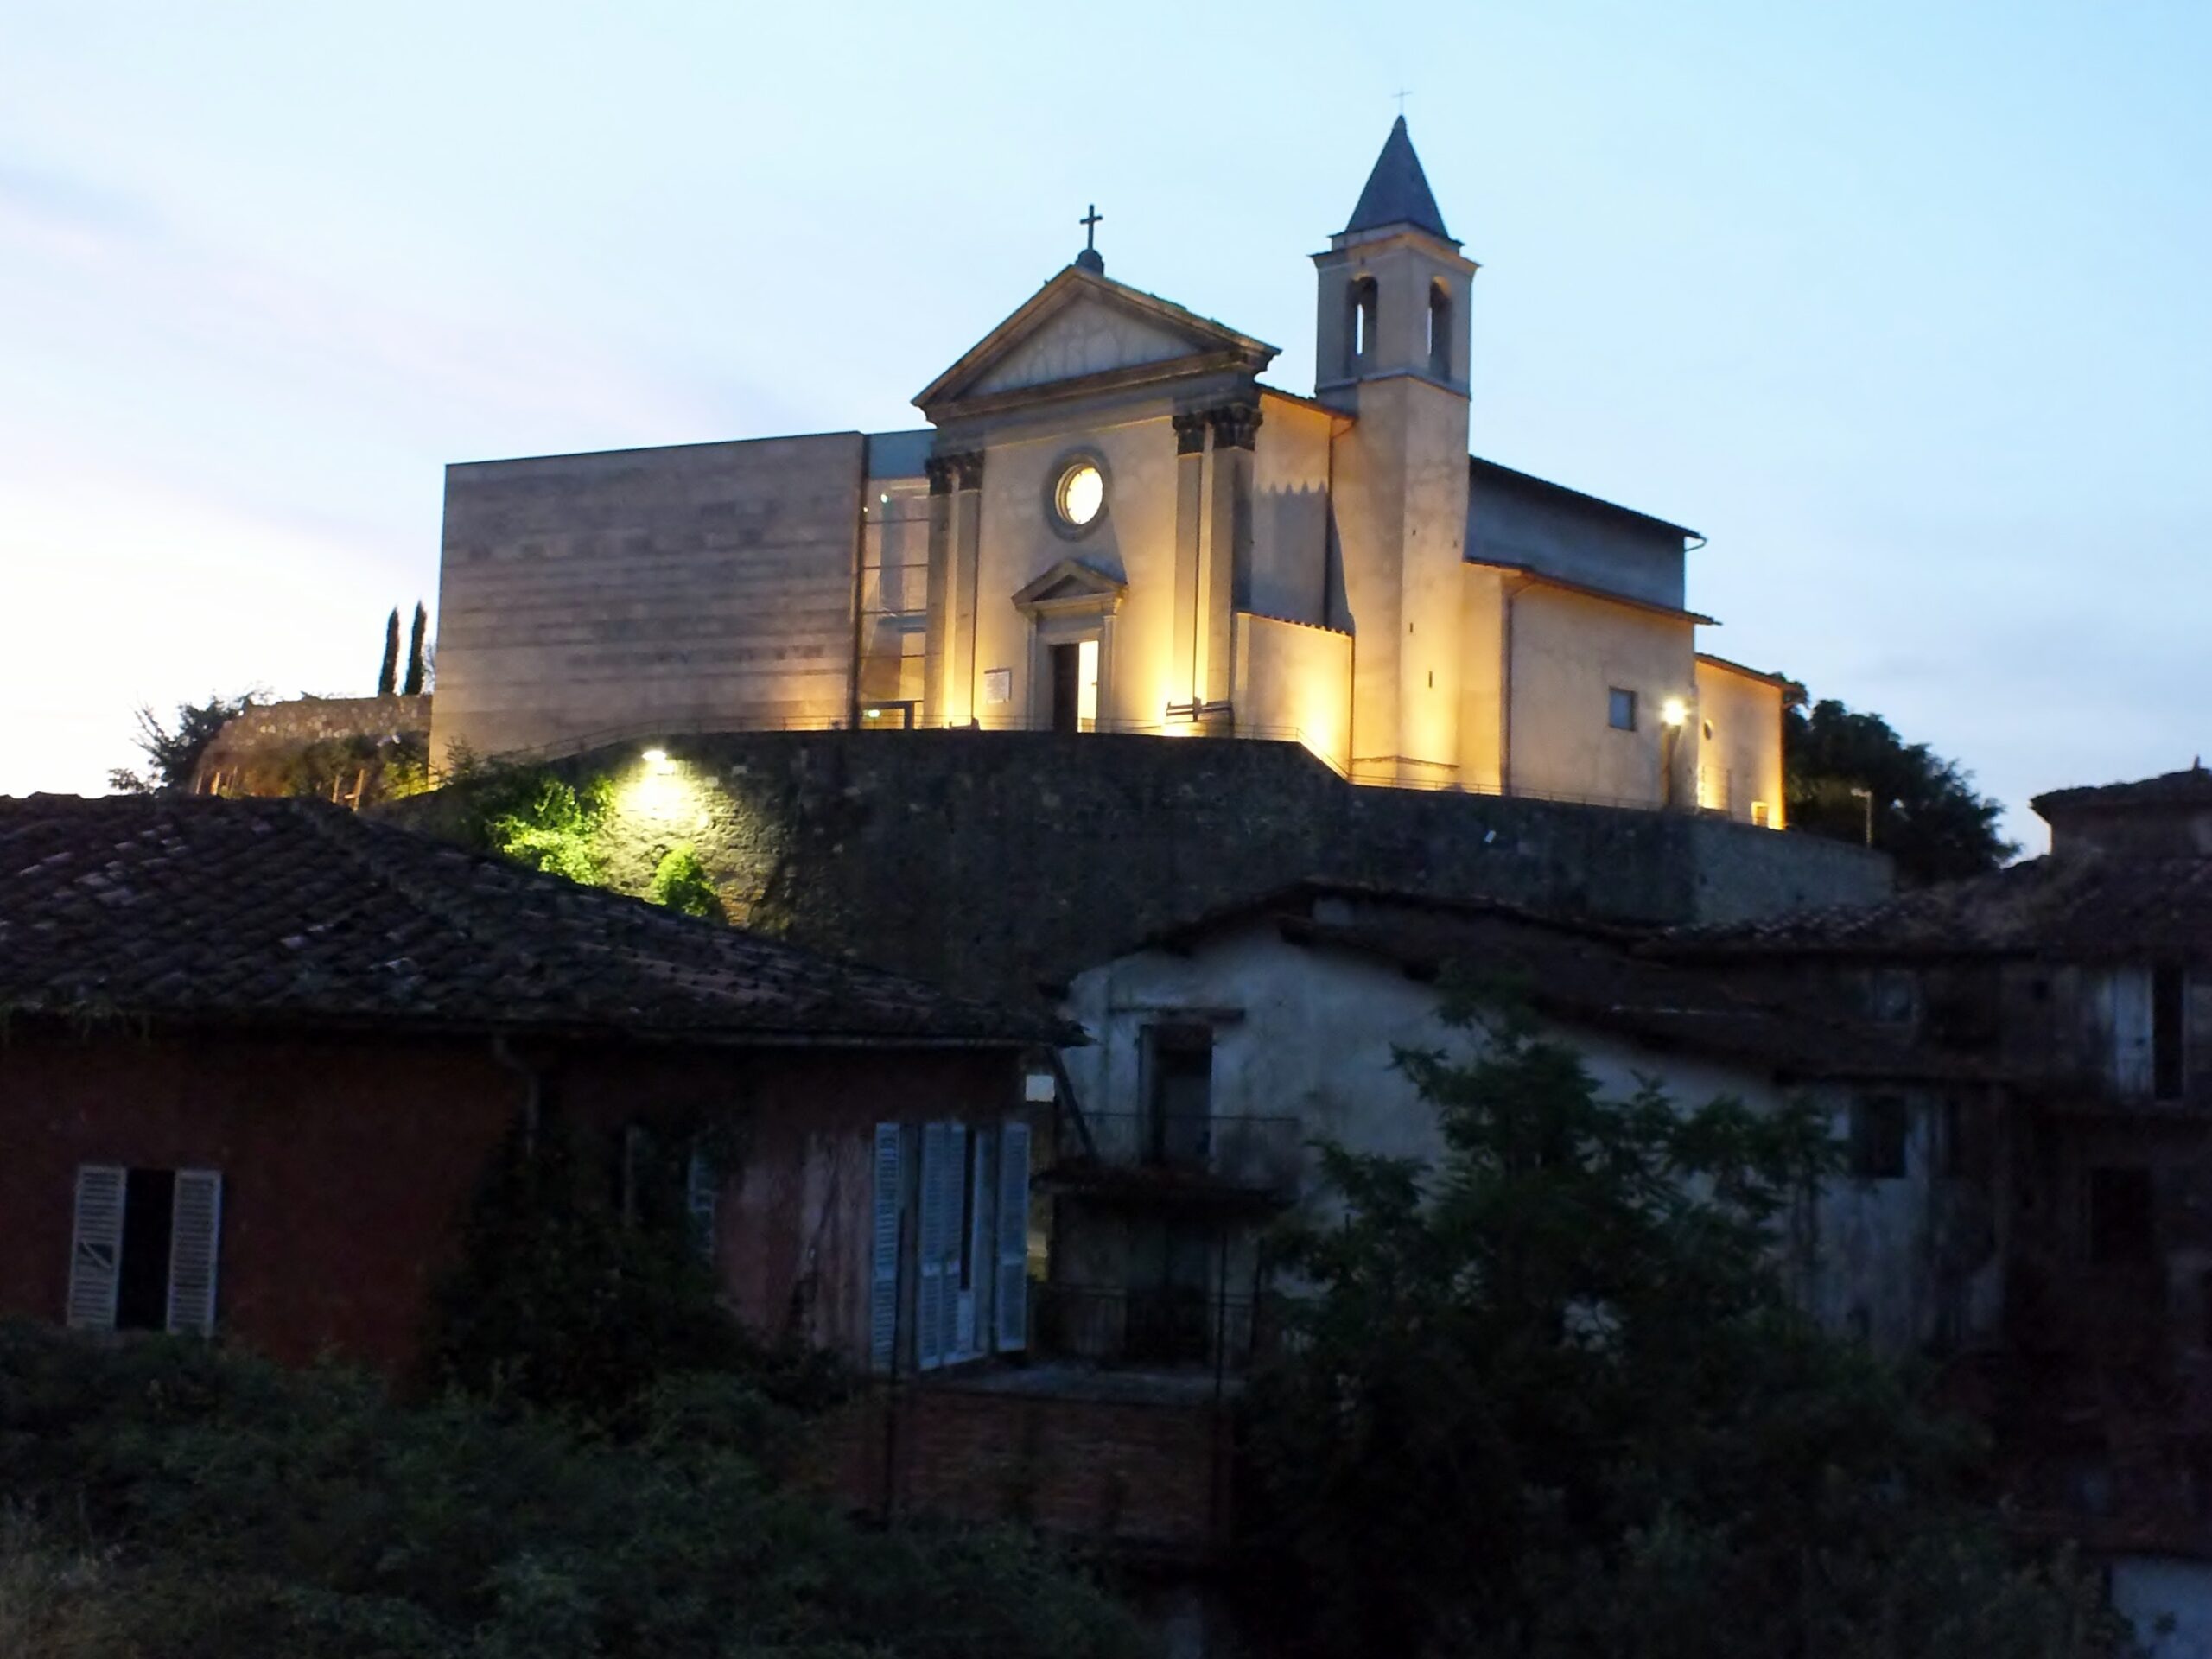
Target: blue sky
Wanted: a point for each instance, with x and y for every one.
(1904, 305)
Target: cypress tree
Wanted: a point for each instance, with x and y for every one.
(387, 676)
(413, 683)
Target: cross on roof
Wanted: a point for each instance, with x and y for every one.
(1402, 94)
(1090, 222)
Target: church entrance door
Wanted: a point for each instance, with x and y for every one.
(1067, 688)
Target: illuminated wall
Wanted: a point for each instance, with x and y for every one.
(1569, 653)
(1739, 765)
(1294, 681)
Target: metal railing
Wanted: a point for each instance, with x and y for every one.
(1249, 1154)
(1156, 1326)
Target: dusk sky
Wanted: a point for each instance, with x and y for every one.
(1907, 308)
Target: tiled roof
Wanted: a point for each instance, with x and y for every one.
(196, 909)
(2087, 906)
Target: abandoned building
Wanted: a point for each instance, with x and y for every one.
(261, 1053)
(2079, 1166)
(1111, 523)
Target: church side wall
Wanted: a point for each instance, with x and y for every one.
(1568, 652)
(584, 597)
(1294, 681)
(1742, 761)
(1482, 678)
(1290, 513)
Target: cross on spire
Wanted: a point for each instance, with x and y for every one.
(1090, 222)
(1401, 95)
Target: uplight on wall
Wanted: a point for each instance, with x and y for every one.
(1674, 712)
(655, 760)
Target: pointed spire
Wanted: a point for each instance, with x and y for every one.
(1397, 190)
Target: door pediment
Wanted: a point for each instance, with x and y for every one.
(1071, 586)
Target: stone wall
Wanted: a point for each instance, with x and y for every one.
(997, 861)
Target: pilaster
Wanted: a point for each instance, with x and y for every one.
(1224, 553)
(936, 651)
(1190, 513)
(966, 538)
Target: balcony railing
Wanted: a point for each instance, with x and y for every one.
(1258, 1156)
(1156, 1326)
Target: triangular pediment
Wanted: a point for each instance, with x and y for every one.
(1070, 584)
(1083, 331)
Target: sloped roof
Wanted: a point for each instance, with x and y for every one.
(1588, 972)
(201, 909)
(2189, 787)
(2091, 906)
(1397, 191)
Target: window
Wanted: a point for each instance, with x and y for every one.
(1439, 331)
(1178, 1095)
(1620, 710)
(2169, 1031)
(932, 1302)
(2122, 1220)
(1359, 324)
(1879, 1127)
(1080, 495)
(143, 1249)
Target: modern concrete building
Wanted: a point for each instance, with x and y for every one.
(1112, 523)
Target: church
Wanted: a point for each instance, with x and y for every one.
(1113, 523)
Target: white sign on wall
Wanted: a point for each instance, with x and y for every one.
(998, 685)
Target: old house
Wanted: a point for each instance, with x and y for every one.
(1112, 523)
(259, 1053)
(1222, 1050)
(2079, 985)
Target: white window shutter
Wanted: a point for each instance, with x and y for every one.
(1012, 1291)
(883, 1261)
(702, 1193)
(96, 1247)
(195, 1236)
(2130, 997)
(930, 1288)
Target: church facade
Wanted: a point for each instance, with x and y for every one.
(1112, 523)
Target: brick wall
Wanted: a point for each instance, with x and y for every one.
(1144, 1477)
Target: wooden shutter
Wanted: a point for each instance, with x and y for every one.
(1010, 1294)
(955, 1341)
(702, 1192)
(930, 1316)
(195, 1234)
(2130, 1002)
(96, 1247)
(883, 1263)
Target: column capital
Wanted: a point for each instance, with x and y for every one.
(1190, 432)
(1235, 426)
(939, 469)
(968, 469)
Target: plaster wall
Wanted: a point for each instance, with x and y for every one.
(1567, 651)
(1294, 681)
(1133, 541)
(1741, 762)
(1481, 675)
(586, 596)
(1512, 520)
(1289, 575)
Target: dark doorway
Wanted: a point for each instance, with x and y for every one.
(1067, 688)
(2123, 1226)
(142, 1293)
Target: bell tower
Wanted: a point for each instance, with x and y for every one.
(1391, 351)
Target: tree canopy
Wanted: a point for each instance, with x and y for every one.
(173, 750)
(1925, 812)
(1551, 1398)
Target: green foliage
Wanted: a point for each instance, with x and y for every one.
(534, 816)
(417, 662)
(388, 670)
(328, 769)
(1551, 1399)
(173, 751)
(1926, 813)
(681, 882)
(204, 1506)
(562, 1302)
